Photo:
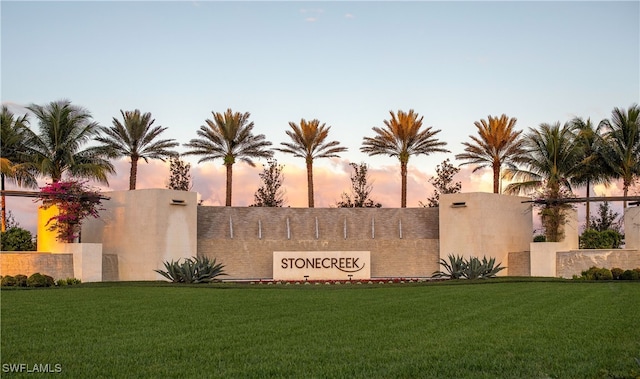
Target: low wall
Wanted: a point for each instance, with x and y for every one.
(569, 263)
(110, 268)
(58, 266)
(403, 242)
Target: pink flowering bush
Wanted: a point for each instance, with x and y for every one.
(75, 201)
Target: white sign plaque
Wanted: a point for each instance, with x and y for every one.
(321, 265)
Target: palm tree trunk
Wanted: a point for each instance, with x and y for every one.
(4, 205)
(229, 183)
(133, 174)
(310, 182)
(588, 207)
(403, 174)
(496, 178)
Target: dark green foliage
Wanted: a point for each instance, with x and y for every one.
(73, 281)
(630, 275)
(606, 239)
(37, 280)
(539, 238)
(360, 190)
(192, 270)
(61, 282)
(617, 273)
(474, 268)
(270, 194)
(452, 269)
(17, 239)
(8, 281)
(50, 281)
(597, 273)
(21, 280)
(180, 175)
(443, 183)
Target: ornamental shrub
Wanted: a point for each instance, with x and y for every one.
(8, 281)
(61, 282)
(539, 238)
(630, 275)
(21, 280)
(75, 202)
(37, 280)
(192, 270)
(603, 274)
(617, 273)
(73, 281)
(17, 239)
(474, 268)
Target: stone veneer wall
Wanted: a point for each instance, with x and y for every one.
(403, 242)
(569, 263)
(58, 266)
(519, 263)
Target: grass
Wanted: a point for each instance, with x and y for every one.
(500, 329)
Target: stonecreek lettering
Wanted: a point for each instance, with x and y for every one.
(342, 264)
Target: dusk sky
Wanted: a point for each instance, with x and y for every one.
(345, 63)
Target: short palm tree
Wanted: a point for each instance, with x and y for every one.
(622, 151)
(403, 138)
(136, 138)
(553, 156)
(593, 169)
(58, 147)
(308, 141)
(14, 163)
(497, 144)
(229, 136)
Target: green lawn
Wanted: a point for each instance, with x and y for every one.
(501, 329)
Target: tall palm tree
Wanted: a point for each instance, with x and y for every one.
(496, 145)
(553, 156)
(593, 169)
(58, 147)
(622, 152)
(14, 164)
(309, 142)
(403, 138)
(229, 136)
(136, 139)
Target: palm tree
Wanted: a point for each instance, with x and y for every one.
(552, 160)
(496, 145)
(622, 152)
(403, 138)
(57, 149)
(593, 169)
(229, 136)
(14, 164)
(308, 142)
(136, 139)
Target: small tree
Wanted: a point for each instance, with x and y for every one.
(270, 194)
(360, 190)
(607, 219)
(553, 210)
(443, 183)
(75, 202)
(180, 175)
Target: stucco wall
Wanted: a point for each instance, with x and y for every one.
(484, 224)
(144, 228)
(402, 242)
(58, 266)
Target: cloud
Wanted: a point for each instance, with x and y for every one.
(349, 16)
(313, 14)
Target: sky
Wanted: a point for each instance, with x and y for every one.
(347, 64)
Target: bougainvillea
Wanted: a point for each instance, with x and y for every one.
(75, 201)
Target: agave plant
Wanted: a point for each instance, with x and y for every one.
(192, 270)
(452, 269)
(474, 268)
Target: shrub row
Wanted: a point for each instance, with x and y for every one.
(600, 273)
(35, 280)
